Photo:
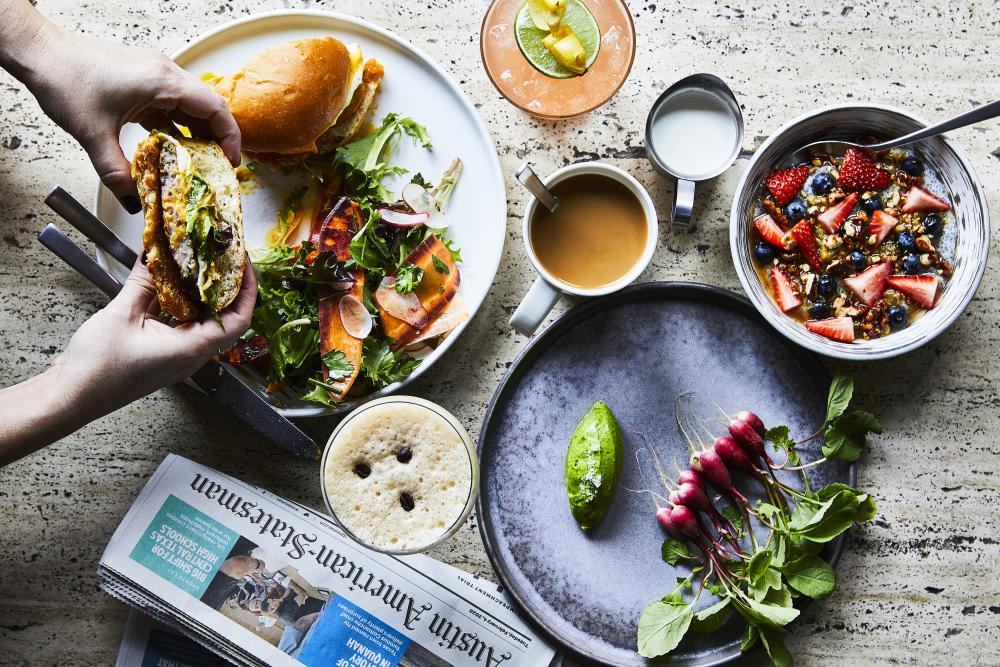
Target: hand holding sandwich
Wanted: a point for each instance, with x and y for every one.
(91, 88)
(122, 353)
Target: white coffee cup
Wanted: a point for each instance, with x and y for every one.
(546, 289)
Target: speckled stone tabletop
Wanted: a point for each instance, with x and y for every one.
(919, 585)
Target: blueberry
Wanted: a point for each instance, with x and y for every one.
(871, 204)
(905, 240)
(912, 166)
(818, 310)
(911, 264)
(826, 286)
(932, 224)
(822, 183)
(897, 317)
(859, 260)
(764, 252)
(796, 210)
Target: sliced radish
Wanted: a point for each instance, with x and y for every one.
(451, 317)
(422, 201)
(406, 307)
(355, 317)
(341, 285)
(400, 219)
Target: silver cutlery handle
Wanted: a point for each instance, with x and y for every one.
(530, 180)
(88, 224)
(68, 251)
(979, 114)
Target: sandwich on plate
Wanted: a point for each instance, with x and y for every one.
(300, 99)
(193, 231)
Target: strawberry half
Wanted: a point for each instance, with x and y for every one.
(881, 225)
(803, 235)
(834, 328)
(833, 218)
(859, 173)
(785, 184)
(869, 285)
(770, 230)
(781, 285)
(919, 200)
(922, 289)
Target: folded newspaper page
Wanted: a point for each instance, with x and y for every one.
(147, 643)
(260, 580)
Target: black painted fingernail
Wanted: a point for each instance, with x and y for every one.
(131, 204)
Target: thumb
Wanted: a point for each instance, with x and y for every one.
(137, 293)
(113, 168)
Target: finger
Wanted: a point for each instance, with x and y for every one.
(237, 316)
(235, 320)
(156, 120)
(138, 294)
(194, 98)
(113, 168)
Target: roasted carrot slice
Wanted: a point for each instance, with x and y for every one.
(437, 288)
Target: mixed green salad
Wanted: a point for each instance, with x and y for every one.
(289, 336)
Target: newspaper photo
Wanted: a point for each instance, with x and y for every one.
(263, 581)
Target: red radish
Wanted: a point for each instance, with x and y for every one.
(756, 423)
(401, 219)
(919, 200)
(693, 496)
(685, 521)
(422, 201)
(710, 464)
(833, 218)
(802, 233)
(663, 518)
(834, 328)
(881, 225)
(770, 231)
(922, 289)
(732, 454)
(785, 296)
(405, 307)
(691, 477)
(747, 438)
(355, 317)
(869, 285)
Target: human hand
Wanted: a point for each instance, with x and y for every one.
(91, 88)
(125, 351)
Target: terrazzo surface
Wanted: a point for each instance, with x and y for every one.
(919, 585)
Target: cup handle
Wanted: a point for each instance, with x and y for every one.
(680, 217)
(534, 307)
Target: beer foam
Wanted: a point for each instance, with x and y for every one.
(438, 475)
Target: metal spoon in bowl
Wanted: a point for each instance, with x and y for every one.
(526, 175)
(985, 112)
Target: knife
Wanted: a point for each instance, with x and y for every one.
(212, 378)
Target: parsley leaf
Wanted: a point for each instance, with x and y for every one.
(383, 366)
(440, 266)
(337, 364)
(408, 277)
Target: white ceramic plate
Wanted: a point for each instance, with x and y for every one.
(413, 86)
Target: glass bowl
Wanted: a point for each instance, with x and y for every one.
(546, 97)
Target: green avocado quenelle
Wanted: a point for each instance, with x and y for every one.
(593, 465)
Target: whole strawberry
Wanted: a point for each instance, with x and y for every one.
(859, 173)
(784, 185)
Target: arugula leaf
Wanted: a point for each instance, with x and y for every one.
(758, 565)
(844, 438)
(408, 276)
(291, 346)
(711, 618)
(383, 366)
(775, 647)
(456, 254)
(673, 551)
(361, 162)
(662, 626)
(337, 364)
(750, 637)
(320, 393)
(811, 576)
(369, 250)
(841, 391)
(765, 613)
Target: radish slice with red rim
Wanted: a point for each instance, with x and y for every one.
(341, 285)
(355, 317)
(401, 219)
(422, 201)
(406, 307)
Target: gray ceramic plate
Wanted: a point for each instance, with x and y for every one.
(636, 350)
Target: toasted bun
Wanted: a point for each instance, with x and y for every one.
(287, 96)
(169, 252)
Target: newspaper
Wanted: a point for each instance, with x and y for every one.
(260, 580)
